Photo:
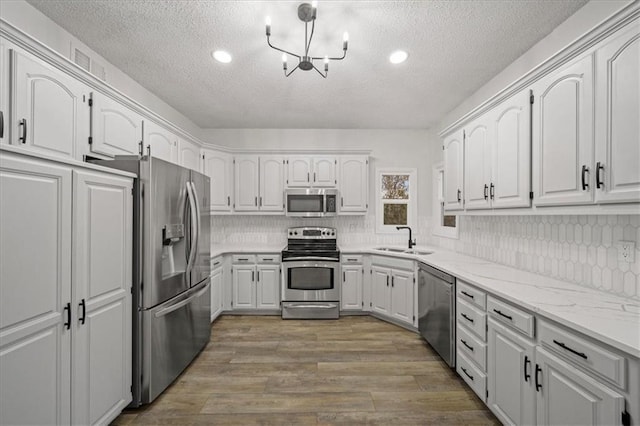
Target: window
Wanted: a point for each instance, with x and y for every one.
(445, 225)
(396, 199)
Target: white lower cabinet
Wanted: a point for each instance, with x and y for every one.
(256, 281)
(65, 327)
(511, 390)
(567, 396)
(217, 284)
(351, 291)
(393, 288)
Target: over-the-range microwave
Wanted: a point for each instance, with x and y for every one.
(311, 202)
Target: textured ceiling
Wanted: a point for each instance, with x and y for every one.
(454, 48)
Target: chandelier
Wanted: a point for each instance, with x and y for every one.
(307, 13)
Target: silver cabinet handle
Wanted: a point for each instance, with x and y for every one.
(261, 201)
(228, 200)
(307, 177)
(314, 176)
(1, 124)
(252, 276)
(256, 201)
(258, 274)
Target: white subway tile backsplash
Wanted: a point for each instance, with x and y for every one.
(579, 249)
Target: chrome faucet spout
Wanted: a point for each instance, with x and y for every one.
(412, 242)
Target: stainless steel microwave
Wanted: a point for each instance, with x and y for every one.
(311, 202)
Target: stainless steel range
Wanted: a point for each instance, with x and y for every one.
(311, 274)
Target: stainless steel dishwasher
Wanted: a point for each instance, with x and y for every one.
(436, 311)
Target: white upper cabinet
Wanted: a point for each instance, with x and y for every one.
(477, 165)
(317, 172)
(453, 171)
(324, 172)
(4, 91)
(160, 142)
(115, 129)
(247, 182)
(219, 167)
(617, 124)
(50, 108)
(298, 172)
(511, 150)
(563, 135)
(271, 184)
(354, 184)
(189, 155)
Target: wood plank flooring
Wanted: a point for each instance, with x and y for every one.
(358, 370)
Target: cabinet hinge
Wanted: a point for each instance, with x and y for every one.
(464, 135)
(531, 97)
(626, 418)
(487, 393)
(414, 280)
(90, 140)
(203, 156)
(531, 195)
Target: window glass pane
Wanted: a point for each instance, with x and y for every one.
(395, 214)
(395, 187)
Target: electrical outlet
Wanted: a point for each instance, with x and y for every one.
(626, 251)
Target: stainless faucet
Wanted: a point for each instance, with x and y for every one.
(411, 241)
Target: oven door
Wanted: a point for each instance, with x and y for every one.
(311, 279)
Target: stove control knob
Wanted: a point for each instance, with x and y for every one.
(295, 232)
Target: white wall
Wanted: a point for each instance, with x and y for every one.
(22, 15)
(389, 148)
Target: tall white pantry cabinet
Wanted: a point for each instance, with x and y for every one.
(65, 291)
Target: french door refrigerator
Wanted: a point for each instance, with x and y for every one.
(171, 293)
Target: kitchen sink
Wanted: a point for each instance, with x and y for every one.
(404, 251)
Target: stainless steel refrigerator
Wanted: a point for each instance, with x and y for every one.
(171, 293)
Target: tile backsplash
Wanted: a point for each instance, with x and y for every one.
(579, 249)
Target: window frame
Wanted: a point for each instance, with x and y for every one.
(411, 202)
(438, 205)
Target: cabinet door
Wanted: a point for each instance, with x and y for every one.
(244, 292)
(298, 172)
(402, 295)
(354, 184)
(4, 91)
(216, 292)
(351, 291)
(324, 172)
(380, 290)
(102, 275)
(511, 376)
(569, 397)
(617, 112)
(453, 171)
(477, 165)
(189, 155)
(218, 166)
(268, 287)
(51, 112)
(35, 277)
(511, 163)
(160, 142)
(247, 180)
(271, 184)
(115, 129)
(563, 136)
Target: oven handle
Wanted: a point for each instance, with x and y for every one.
(311, 259)
(308, 306)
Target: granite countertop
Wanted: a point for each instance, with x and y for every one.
(608, 318)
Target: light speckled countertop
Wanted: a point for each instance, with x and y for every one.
(611, 319)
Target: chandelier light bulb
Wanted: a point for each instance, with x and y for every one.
(326, 63)
(284, 61)
(345, 41)
(268, 22)
(398, 57)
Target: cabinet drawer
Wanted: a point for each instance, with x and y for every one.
(216, 262)
(351, 258)
(581, 352)
(243, 258)
(472, 375)
(473, 318)
(472, 347)
(511, 316)
(268, 258)
(471, 295)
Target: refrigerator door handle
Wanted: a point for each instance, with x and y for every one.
(196, 199)
(194, 231)
(182, 303)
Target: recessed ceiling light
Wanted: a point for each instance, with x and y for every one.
(398, 56)
(222, 56)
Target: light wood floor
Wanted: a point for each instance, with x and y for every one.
(261, 370)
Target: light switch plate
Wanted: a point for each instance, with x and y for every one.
(626, 251)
